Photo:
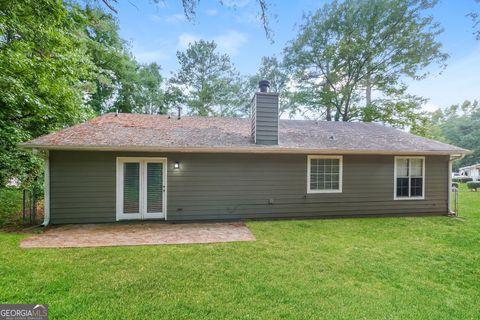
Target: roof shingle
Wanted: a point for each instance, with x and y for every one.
(136, 131)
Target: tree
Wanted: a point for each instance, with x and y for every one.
(459, 125)
(475, 16)
(347, 48)
(115, 68)
(272, 70)
(150, 96)
(208, 83)
(45, 73)
(121, 83)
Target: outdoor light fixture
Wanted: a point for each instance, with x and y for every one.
(176, 165)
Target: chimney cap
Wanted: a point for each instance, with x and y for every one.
(264, 85)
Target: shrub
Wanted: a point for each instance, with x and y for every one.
(462, 179)
(10, 205)
(473, 185)
(455, 185)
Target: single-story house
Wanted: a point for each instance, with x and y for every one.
(472, 171)
(133, 167)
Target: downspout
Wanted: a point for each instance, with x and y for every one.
(450, 161)
(46, 191)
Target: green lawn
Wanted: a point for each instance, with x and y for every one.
(385, 268)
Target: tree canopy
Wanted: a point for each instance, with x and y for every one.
(348, 47)
(458, 124)
(207, 81)
(61, 64)
(45, 69)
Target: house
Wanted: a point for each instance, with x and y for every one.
(472, 171)
(132, 167)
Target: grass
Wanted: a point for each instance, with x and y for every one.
(373, 268)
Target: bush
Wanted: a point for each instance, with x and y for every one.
(10, 205)
(461, 179)
(455, 185)
(473, 185)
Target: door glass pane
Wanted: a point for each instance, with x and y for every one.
(154, 187)
(131, 187)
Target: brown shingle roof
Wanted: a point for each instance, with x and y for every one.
(146, 132)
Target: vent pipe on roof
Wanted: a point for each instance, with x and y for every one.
(264, 86)
(179, 113)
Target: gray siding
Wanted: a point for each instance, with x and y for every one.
(265, 118)
(239, 186)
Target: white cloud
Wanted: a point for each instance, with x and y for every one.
(155, 18)
(173, 18)
(185, 39)
(248, 18)
(211, 12)
(459, 82)
(144, 55)
(236, 3)
(229, 42)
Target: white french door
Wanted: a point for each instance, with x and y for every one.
(141, 188)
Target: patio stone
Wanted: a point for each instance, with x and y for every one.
(106, 235)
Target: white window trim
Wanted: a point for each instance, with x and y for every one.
(340, 171)
(395, 178)
(119, 185)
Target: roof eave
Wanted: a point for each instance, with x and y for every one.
(257, 149)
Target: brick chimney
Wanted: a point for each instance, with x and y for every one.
(265, 115)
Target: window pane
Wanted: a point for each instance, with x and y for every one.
(131, 187)
(324, 174)
(416, 187)
(402, 187)
(154, 187)
(402, 167)
(416, 167)
(335, 168)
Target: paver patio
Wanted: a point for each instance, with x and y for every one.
(106, 235)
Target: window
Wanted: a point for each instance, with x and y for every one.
(324, 174)
(409, 178)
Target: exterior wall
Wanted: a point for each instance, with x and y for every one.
(265, 118)
(240, 186)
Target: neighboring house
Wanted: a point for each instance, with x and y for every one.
(472, 171)
(132, 166)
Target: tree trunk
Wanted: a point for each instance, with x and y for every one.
(329, 113)
(368, 92)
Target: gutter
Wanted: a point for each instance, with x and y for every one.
(452, 158)
(257, 149)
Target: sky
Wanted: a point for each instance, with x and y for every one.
(157, 31)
